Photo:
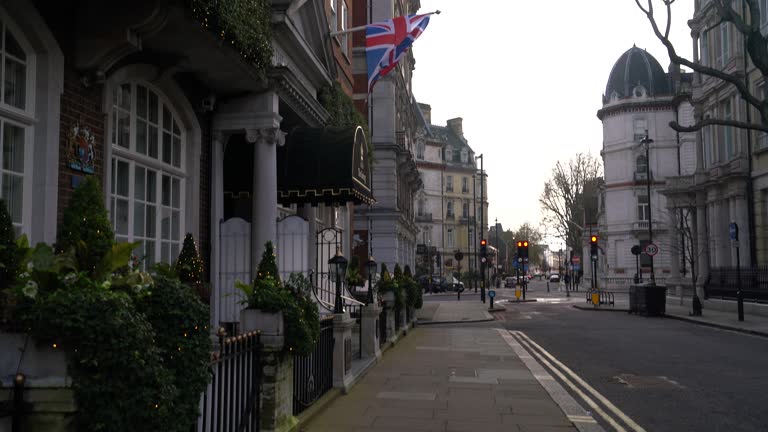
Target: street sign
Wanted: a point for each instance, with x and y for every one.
(515, 265)
(733, 230)
(491, 293)
(459, 256)
(636, 250)
(651, 249)
(520, 259)
(576, 267)
(482, 260)
(421, 249)
(576, 259)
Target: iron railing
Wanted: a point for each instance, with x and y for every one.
(231, 400)
(723, 284)
(313, 373)
(383, 326)
(397, 319)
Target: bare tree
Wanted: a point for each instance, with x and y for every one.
(687, 245)
(562, 200)
(747, 23)
(534, 236)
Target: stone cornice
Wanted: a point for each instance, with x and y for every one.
(624, 107)
(292, 91)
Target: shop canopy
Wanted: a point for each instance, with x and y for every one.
(324, 165)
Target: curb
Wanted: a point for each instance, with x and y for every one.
(594, 309)
(520, 301)
(716, 325)
(420, 323)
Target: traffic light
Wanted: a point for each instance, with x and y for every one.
(483, 248)
(522, 249)
(593, 246)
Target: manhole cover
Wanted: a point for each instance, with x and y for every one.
(647, 382)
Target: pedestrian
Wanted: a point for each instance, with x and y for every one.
(567, 280)
(547, 284)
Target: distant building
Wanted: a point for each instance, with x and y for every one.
(448, 209)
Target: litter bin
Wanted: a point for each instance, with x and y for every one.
(649, 300)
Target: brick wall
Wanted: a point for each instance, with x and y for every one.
(79, 104)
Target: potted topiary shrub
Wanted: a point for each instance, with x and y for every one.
(386, 286)
(265, 301)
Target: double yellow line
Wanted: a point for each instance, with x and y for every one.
(596, 401)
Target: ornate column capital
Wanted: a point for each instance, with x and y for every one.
(265, 136)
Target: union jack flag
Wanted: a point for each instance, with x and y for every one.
(387, 42)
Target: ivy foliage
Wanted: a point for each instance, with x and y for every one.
(354, 276)
(413, 292)
(343, 111)
(85, 226)
(300, 314)
(246, 25)
(137, 347)
(400, 286)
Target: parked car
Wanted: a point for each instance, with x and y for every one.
(554, 277)
(509, 282)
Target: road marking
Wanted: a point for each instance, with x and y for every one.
(538, 350)
(564, 400)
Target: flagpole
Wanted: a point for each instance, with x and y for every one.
(363, 27)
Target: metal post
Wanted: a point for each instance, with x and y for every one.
(647, 144)
(482, 225)
(474, 228)
(739, 294)
(18, 402)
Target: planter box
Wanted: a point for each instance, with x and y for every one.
(40, 363)
(269, 323)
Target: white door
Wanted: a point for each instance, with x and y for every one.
(235, 265)
(292, 246)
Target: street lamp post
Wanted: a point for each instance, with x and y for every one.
(646, 143)
(338, 267)
(371, 265)
(559, 265)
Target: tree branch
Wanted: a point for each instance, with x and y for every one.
(728, 14)
(711, 122)
(706, 70)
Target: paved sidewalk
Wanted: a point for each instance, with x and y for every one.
(753, 324)
(452, 311)
(446, 379)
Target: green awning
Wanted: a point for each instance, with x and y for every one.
(324, 165)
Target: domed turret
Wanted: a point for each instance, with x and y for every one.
(636, 74)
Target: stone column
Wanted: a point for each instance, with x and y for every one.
(702, 243)
(342, 350)
(276, 390)
(264, 211)
(370, 329)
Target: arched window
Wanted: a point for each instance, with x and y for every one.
(641, 164)
(16, 127)
(148, 178)
(420, 149)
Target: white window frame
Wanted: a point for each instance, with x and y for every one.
(465, 209)
(23, 118)
(449, 211)
(465, 185)
(449, 154)
(136, 160)
(642, 207)
(704, 48)
(344, 39)
(449, 183)
(334, 16)
(639, 128)
(451, 240)
(729, 146)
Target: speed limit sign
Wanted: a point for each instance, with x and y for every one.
(651, 249)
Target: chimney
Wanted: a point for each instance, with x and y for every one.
(427, 111)
(455, 125)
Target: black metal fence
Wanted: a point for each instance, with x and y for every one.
(231, 400)
(397, 319)
(383, 326)
(723, 283)
(313, 373)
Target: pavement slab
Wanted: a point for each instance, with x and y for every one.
(446, 379)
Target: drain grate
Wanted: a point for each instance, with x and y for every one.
(647, 382)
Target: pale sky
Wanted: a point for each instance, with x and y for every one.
(527, 77)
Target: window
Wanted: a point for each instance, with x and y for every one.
(147, 179)
(465, 210)
(727, 132)
(464, 155)
(704, 49)
(15, 145)
(420, 149)
(642, 208)
(763, 12)
(422, 205)
(640, 129)
(762, 137)
(724, 53)
(450, 238)
(710, 157)
(449, 183)
(426, 235)
(449, 154)
(449, 212)
(638, 91)
(334, 16)
(465, 185)
(641, 165)
(344, 26)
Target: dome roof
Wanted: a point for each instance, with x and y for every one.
(636, 70)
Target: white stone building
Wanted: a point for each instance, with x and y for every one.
(640, 101)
